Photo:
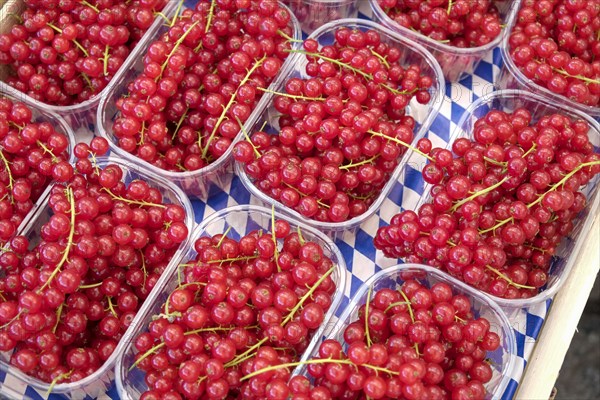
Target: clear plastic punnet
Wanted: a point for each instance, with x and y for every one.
(236, 221)
(312, 14)
(538, 106)
(424, 114)
(456, 62)
(511, 77)
(502, 359)
(81, 116)
(100, 381)
(201, 183)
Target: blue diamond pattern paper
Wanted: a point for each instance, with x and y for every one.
(362, 259)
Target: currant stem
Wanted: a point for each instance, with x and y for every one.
(274, 238)
(93, 7)
(91, 285)
(578, 77)
(381, 58)
(494, 162)
(292, 96)
(136, 202)
(479, 193)
(408, 303)
(223, 237)
(316, 361)
(47, 150)
(181, 119)
(306, 296)
(449, 9)
(243, 129)
(211, 12)
(58, 315)
(56, 380)
(174, 49)
(238, 358)
(400, 142)
(105, 60)
(507, 279)
(300, 237)
(398, 303)
(65, 254)
(363, 162)
(111, 307)
(498, 225)
(288, 37)
(367, 304)
(562, 181)
(11, 180)
(245, 258)
(257, 64)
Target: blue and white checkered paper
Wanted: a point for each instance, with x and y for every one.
(362, 259)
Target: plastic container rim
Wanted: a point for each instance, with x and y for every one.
(435, 106)
(119, 76)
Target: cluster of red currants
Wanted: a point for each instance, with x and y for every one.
(501, 205)
(459, 23)
(342, 129)
(557, 45)
(201, 81)
(240, 306)
(67, 297)
(65, 52)
(413, 343)
(32, 154)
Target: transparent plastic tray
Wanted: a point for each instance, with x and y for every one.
(566, 253)
(239, 220)
(100, 381)
(503, 359)
(455, 62)
(511, 76)
(202, 182)
(424, 114)
(314, 13)
(82, 116)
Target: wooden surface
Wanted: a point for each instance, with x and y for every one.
(561, 323)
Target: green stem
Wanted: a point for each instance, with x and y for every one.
(367, 304)
(381, 58)
(479, 193)
(56, 380)
(363, 162)
(239, 357)
(136, 202)
(288, 38)
(316, 361)
(174, 49)
(11, 180)
(507, 279)
(257, 64)
(181, 119)
(105, 60)
(274, 238)
(306, 296)
(48, 150)
(243, 128)
(408, 304)
(211, 12)
(494, 162)
(292, 96)
(400, 142)
(65, 254)
(91, 285)
(93, 7)
(562, 181)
